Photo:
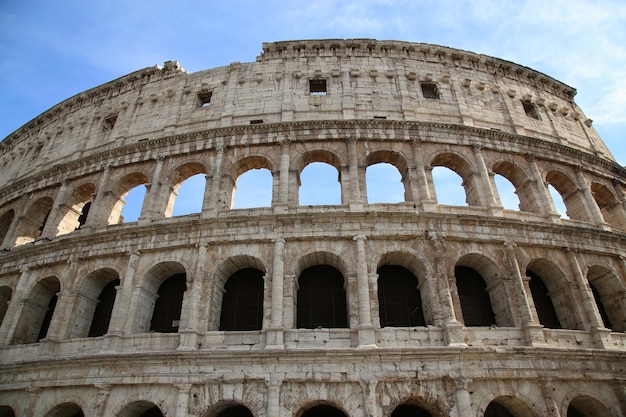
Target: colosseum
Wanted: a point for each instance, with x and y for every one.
(362, 308)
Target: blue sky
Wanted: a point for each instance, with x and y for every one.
(50, 51)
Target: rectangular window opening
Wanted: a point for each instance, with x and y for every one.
(430, 90)
(256, 121)
(204, 98)
(109, 122)
(531, 110)
(317, 87)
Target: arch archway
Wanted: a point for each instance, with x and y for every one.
(31, 226)
(66, 410)
(586, 406)
(463, 169)
(37, 312)
(242, 305)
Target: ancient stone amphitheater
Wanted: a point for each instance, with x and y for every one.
(357, 309)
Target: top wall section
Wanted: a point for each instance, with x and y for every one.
(299, 81)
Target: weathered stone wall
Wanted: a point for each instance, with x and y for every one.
(488, 117)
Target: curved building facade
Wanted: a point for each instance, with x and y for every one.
(363, 308)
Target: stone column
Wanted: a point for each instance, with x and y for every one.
(485, 186)
(62, 317)
(369, 396)
(552, 406)
(16, 307)
(33, 401)
(283, 176)
(462, 398)
(182, 400)
(275, 332)
(421, 191)
(617, 187)
(189, 330)
(97, 216)
(444, 313)
(50, 228)
(103, 397)
(353, 172)
(273, 398)
(544, 200)
(209, 204)
(151, 208)
(367, 337)
(589, 201)
(122, 316)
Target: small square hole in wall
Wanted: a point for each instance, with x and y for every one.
(109, 122)
(204, 98)
(317, 87)
(430, 90)
(531, 110)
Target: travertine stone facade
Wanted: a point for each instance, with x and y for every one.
(522, 312)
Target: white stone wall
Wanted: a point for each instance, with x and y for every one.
(160, 137)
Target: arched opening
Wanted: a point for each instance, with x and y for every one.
(384, 184)
(399, 299)
(127, 198)
(474, 298)
(104, 309)
(133, 204)
(75, 210)
(323, 410)
(321, 298)
(559, 294)
(543, 303)
(557, 200)
(506, 192)
(448, 187)
(31, 226)
(235, 411)
(6, 411)
(242, 305)
(66, 410)
(320, 185)
(253, 189)
(5, 296)
(168, 305)
(189, 195)
(5, 223)
(37, 312)
(141, 409)
(497, 410)
(610, 297)
(410, 410)
(585, 406)
(508, 406)
(516, 190)
(570, 195)
(610, 207)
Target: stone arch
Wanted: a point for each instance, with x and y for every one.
(223, 271)
(66, 409)
(559, 290)
(508, 406)
(73, 213)
(242, 301)
(321, 409)
(6, 293)
(572, 197)
(94, 303)
(37, 311)
(586, 405)
(610, 296)
(6, 219)
(318, 155)
(611, 208)
(321, 295)
(6, 411)
(397, 160)
(417, 270)
(177, 177)
(469, 270)
(524, 186)
(463, 168)
(141, 408)
(244, 166)
(32, 224)
(160, 298)
(228, 409)
(119, 190)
